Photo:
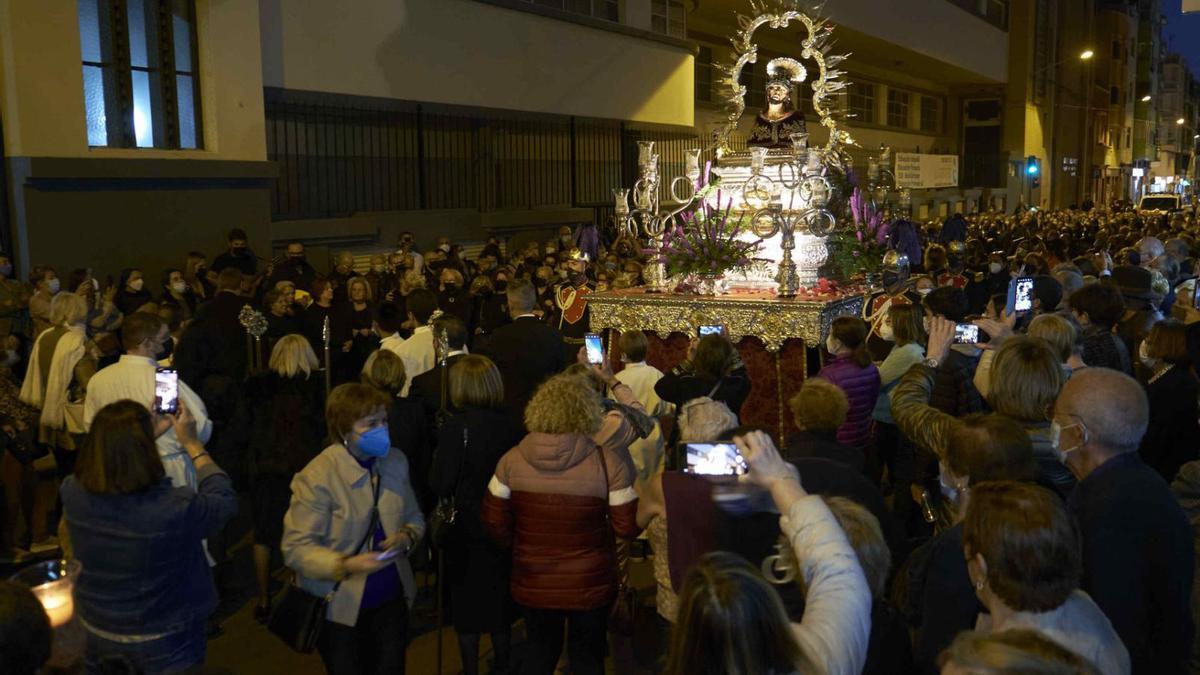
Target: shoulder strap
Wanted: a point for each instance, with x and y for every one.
(604, 468)
(376, 488)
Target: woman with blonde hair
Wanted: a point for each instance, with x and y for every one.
(278, 429)
(1063, 338)
(469, 446)
(558, 498)
(62, 363)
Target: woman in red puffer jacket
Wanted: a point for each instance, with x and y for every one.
(557, 499)
(852, 371)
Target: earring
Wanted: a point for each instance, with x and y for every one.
(979, 585)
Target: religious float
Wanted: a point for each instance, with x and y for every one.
(741, 237)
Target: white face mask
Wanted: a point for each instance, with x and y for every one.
(378, 269)
(1055, 438)
(995, 268)
(54, 285)
(949, 491)
(1145, 358)
(886, 332)
(179, 286)
(137, 284)
(924, 291)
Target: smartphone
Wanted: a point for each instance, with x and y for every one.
(966, 334)
(710, 329)
(595, 348)
(1022, 294)
(713, 459)
(1196, 294)
(166, 391)
(388, 554)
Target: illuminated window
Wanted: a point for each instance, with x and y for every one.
(140, 75)
(860, 101)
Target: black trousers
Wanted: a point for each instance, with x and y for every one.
(587, 639)
(375, 645)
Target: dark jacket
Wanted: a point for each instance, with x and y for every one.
(680, 386)
(299, 273)
(410, 433)
(548, 501)
(861, 385)
(824, 445)
(464, 471)
(1103, 349)
(1136, 327)
(954, 391)
(144, 569)
(280, 425)
(246, 262)
(1138, 560)
(939, 601)
(427, 388)
(1170, 440)
(129, 302)
(526, 352)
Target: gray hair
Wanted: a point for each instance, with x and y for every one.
(1111, 404)
(703, 419)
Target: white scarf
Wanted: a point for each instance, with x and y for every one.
(51, 396)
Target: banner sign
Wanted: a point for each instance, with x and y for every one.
(926, 171)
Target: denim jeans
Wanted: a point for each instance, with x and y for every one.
(172, 653)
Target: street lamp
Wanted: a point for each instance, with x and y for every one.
(1086, 54)
(1146, 98)
(1180, 121)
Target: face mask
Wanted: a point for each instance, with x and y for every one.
(995, 268)
(924, 291)
(179, 286)
(445, 248)
(237, 251)
(54, 285)
(562, 274)
(378, 269)
(167, 350)
(948, 491)
(137, 284)
(450, 286)
(376, 442)
(542, 281)
(1145, 358)
(295, 259)
(886, 332)
(1055, 438)
(501, 285)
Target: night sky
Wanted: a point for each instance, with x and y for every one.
(1182, 33)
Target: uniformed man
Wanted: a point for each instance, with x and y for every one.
(895, 291)
(571, 315)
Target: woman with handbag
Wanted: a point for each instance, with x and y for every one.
(477, 571)
(352, 521)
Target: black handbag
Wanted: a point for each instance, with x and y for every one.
(299, 616)
(443, 522)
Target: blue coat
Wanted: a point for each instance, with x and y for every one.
(861, 385)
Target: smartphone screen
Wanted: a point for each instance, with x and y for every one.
(388, 554)
(1196, 295)
(1023, 294)
(966, 334)
(711, 329)
(713, 459)
(166, 391)
(595, 348)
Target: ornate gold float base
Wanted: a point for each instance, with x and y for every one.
(761, 315)
(776, 337)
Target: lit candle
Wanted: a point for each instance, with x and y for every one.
(645, 152)
(57, 601)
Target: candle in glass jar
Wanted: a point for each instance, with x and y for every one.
(57, 601)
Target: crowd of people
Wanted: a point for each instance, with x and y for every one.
(1025, 499)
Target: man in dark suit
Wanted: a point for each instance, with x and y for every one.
(428, 385)
(1137, 542)
(525, 351)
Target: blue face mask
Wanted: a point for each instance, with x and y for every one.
(376, 442)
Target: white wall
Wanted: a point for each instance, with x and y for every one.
(470, 53)
(935, 28)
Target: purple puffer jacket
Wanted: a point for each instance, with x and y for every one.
(862, 388)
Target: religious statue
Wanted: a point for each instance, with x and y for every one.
(774, 126)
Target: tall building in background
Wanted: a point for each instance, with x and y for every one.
(1150, 53)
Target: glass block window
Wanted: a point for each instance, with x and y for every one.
(140, 79)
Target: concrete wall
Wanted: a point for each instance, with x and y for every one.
(470, 53)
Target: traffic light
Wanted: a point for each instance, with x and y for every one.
(1031, 166)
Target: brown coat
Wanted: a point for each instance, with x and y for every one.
(547, 500)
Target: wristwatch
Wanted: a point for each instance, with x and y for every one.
(932, 363)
